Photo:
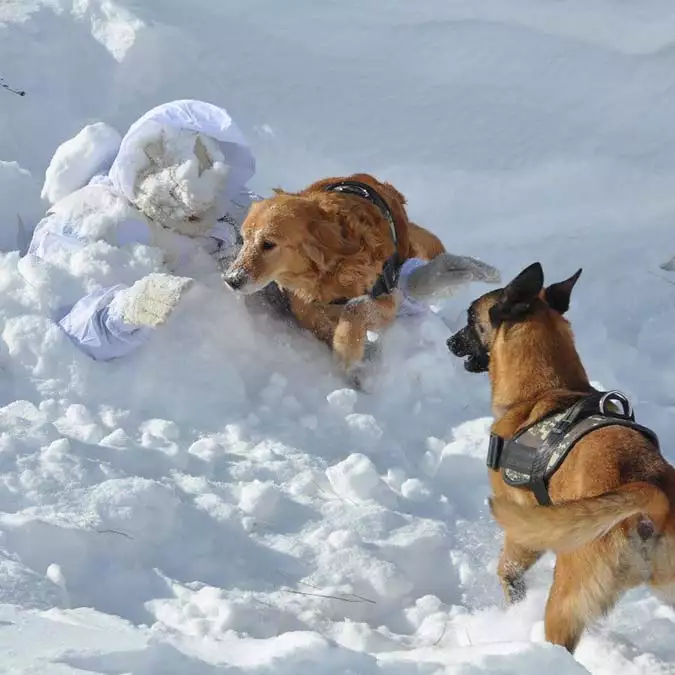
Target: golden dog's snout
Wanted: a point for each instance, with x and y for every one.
(236, 278)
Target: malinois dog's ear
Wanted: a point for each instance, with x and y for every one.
(558, 295)
(519, 295)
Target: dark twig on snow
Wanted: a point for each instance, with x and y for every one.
(442, 635)
(347, 597)
(121, 534)
(658, 276)
(322, 595)
(468, 637)
(4, 85)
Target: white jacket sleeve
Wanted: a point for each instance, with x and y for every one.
(97, 331)
(89, 324)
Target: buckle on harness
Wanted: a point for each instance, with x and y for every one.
(494, 453)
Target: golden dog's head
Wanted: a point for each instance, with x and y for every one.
(493, 315)
(288, 239)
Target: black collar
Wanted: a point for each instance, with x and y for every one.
(388, 279)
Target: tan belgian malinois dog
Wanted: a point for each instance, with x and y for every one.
(611, 515)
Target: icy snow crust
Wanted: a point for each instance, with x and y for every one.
(220, 502)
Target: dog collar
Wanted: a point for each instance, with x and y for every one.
(391, 270)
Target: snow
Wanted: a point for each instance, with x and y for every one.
(19, 205)
(219, 501)
(78, 159)
(184, 185)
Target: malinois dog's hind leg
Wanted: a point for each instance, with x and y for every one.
(585, 587)
(514, 562)
(663, 561)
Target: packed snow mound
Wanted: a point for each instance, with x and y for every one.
(69, 642)
(220, 500)
(79, 159)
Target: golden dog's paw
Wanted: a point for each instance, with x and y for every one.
(359, 370)
(348, 349)
(361, 377)
(356, 376)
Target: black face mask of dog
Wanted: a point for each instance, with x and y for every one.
(513, 303)
(467, 342)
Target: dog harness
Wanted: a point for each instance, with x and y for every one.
(534, 454)
(391, 270)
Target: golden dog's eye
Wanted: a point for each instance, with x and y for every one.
(268, 245)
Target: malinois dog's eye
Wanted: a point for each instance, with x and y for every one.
(268, 245)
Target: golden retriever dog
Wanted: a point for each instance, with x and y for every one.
(326, 249)
(610, 516)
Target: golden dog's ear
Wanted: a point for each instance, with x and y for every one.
(325, 242)
(558, 295)
(518, 296)
(395, 193)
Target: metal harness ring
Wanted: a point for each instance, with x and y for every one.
(616, 397)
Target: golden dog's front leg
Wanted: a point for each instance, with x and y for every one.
(358, 317)
(314, 318)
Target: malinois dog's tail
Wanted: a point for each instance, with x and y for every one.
(567, 526)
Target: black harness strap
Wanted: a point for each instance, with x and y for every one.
(534, 454)
(388, 279)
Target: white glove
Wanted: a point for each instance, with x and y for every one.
(150, 301)
(445, 274)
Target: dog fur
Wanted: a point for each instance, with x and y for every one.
(612, 525)
(321, 246)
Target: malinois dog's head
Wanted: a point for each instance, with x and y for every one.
(518, 334)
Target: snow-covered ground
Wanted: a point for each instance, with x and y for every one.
(219, 502)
